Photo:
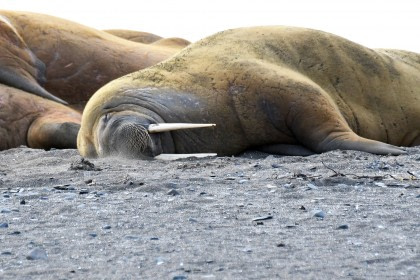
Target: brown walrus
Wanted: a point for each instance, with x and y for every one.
(77, 59)
(71, 61)
(278, 89)
(27, 119)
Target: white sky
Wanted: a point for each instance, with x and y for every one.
(373, 23)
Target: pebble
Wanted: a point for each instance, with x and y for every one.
(37, 254)
(4, 225)
(173, 192)
(319, 214)
(179, 277)
(84, 191)
(93, 234)
(262, 218)
(22, 202)
(344, 226)
(5, 211)
(6, 253)
(6, 196)
(192, 220)
(311, 187)
(106, 227)
(275, 165)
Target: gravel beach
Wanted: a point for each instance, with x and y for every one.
(337, 215)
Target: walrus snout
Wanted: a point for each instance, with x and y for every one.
(127, 136)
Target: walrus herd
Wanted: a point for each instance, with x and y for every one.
(281, 90)
(65, 62)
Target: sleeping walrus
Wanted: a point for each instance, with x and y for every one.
(277, 89)
(62, 61)
(75, 60)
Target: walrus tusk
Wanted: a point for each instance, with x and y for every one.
(162, 127)
(183, 156)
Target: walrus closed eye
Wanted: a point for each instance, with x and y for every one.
(282, 90)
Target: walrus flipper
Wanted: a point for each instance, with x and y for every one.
(317, 124)
(47, 134)
(28, 84)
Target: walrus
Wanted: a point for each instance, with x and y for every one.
(282, 90)
(148, 38)
(19, 67)
(71, 61)
(27, 119)
(134, 35)
(62, 61)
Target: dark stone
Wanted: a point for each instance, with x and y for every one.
(343, 226)
(84, 164)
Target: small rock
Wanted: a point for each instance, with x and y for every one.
(380, 184)
(84, 164)
(84, 191)
(262, 218)
(192, 220)
(160, 260)
(106, 227)
(319, 214)
(275, 165)
(179, 277)
(62, 187)
(6, 196)
(16, 232)
(37, 254)
(344, 226)
(5, 211)
(22, 202)
(281, 244)
(247, 250)
(173, 192)
(154, 238)
(88, 181)
(302, 208)
(4, 225)
(6, 253)
(311, 186)
(92, 234)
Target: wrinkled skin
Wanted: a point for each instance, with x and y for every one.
(278, 89)
(62, 61)
(74, 60)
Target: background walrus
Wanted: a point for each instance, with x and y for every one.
(62, 61)
(75, 59)
(279, 89)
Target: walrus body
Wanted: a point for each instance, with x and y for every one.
(75, 60)
(27, 119)
(62, 61)
(278, 89)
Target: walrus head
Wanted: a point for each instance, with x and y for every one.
(132, 134)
